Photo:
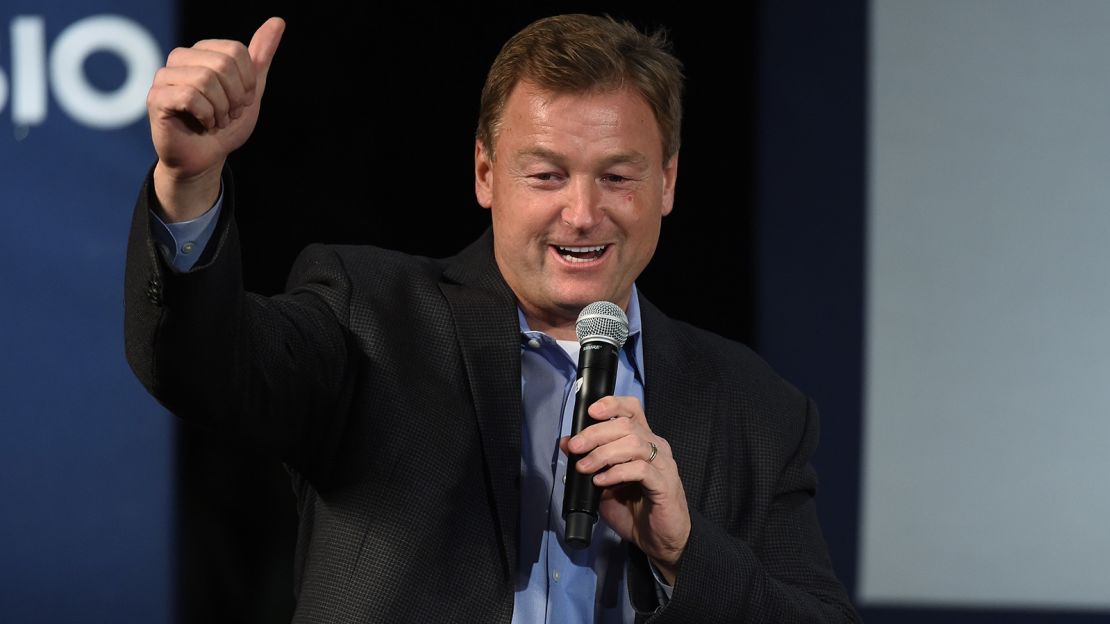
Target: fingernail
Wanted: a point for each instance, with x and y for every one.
(585, 464)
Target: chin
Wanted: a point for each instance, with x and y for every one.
(576, 303)
(572, 296)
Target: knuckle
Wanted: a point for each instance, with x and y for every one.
(213, 88)
(174, 57)
(208, 77)
(234, 48)
(183, 99)
(224, 46)
(225, 65)
(197, 105)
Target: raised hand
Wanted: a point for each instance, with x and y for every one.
(204, 105)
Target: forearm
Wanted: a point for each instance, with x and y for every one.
(261, 368)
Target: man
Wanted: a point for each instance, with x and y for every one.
(423, 405)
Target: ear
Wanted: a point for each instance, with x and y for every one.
(483, 174)
(670, 177)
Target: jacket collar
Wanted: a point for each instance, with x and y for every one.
(484, 312)
(676, 396)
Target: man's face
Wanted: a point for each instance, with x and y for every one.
(577, 190)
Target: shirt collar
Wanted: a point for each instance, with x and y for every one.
(633, 346)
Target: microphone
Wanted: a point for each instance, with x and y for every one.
(602, 328)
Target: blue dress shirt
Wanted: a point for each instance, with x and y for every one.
(183, 243)
(555, 582)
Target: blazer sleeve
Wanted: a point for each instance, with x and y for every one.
(274, 371)
(785, 575)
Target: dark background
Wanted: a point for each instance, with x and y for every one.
(367, 134)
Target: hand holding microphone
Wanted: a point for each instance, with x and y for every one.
(618, 468)
(602, 328)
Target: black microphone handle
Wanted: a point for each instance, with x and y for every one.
(597, 378)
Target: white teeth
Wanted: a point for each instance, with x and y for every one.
(566, 253)
(582, 249)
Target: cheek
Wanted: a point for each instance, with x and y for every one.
(647, 233)
(513, 225)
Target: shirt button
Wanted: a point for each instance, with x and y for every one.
(555, 575)
(187, 247)
(535, 344)
(564, 478)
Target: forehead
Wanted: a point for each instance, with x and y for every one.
(537, 120)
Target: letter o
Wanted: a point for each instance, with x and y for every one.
(3, 90)
(110, 33)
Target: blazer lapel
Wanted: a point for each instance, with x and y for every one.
(676, 397)
(484, 312)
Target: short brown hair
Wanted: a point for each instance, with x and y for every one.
(580, 53)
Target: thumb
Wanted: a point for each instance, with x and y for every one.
(264, 45)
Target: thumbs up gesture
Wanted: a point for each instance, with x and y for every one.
(203, 106)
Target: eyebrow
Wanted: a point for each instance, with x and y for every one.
(542, 153)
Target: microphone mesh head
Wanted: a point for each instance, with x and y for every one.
(602, 320)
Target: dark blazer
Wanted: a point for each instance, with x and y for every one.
(390, 385)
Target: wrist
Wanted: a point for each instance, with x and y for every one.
(183, 198)
(667, 569)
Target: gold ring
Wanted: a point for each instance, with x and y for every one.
(654, 450)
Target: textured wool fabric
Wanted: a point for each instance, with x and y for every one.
(390, 386)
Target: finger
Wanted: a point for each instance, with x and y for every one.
(264, 45)
(603, 433)
(218, 66)
(638, 471)
(182, 100)
(202, 80)
(626, 449)
(610, 407)
(232, 62)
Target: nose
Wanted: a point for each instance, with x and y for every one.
(583, 208)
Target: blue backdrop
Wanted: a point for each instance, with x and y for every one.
(85, 454)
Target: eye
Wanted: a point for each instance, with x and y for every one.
(545, 180)
(613, 178)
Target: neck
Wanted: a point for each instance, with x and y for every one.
(560, 325)
(559, 330)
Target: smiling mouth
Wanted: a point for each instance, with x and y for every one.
(580, 254)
